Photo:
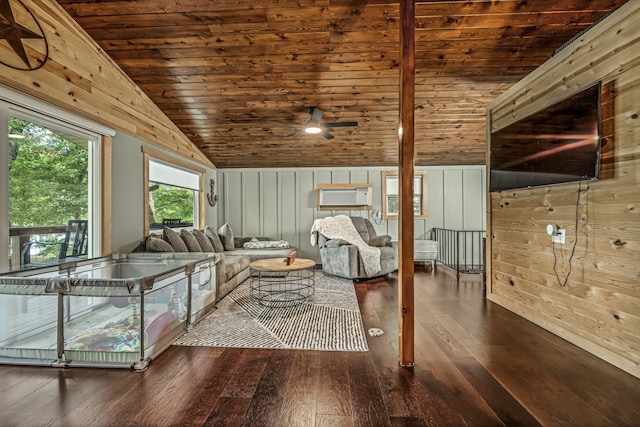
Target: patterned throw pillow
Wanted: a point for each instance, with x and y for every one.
(174, 240)
(266, 244)
(203, 241)
(155, 244)
(190, 241)
(226, 235)
(214, 238)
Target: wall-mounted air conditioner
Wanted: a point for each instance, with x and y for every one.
(341, 196)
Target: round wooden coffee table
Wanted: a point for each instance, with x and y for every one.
(276, 284)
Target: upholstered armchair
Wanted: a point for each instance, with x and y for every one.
(343, 259)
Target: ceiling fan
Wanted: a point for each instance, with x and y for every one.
(315, 125)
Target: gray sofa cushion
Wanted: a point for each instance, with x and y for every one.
(190, 241)
(226, 235)
(380, 241)
(233, 265)
(364, 228)
(174, 240)
(203, 241)
(255, 254)
(387, 252)
(155, 244)
(214, 238)
(334, 243)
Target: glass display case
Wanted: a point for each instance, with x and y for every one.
(117, 311)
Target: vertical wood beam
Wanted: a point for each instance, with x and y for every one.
(405, 178)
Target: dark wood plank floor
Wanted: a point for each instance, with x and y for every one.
(476, 364)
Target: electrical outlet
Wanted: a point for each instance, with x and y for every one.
(558, 236)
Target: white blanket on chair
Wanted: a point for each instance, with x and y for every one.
(341, 227)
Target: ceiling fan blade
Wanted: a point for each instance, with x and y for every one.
(295, 133)
(327, 135)
(340, 124)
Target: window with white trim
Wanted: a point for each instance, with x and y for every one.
(174, 192)
(50, 174)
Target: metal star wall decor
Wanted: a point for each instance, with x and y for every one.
(28, 45)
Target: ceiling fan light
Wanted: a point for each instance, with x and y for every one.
(312, 129)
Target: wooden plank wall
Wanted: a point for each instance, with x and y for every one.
(281, 203)
(599, 308)
(81, 78)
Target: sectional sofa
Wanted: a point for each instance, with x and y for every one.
(235, 253)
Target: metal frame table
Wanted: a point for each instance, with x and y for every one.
(276, 284)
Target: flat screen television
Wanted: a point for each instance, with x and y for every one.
(560, 143)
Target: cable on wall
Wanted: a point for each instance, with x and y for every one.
(376, 216)
(562, 284)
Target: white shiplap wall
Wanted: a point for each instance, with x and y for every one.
(281, 203)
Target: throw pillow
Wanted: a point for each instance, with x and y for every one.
(155, 244)
(266, 244)
(226, 235)
(174, 240)
(214, 238)
(203, 241)
(190, 241)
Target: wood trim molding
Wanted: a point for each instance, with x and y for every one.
(423, 195)
(106, 194)
(145, 192)
(147, 154)
(202, 203)
(173, 160)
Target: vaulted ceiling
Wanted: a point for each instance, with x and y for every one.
(239, 77)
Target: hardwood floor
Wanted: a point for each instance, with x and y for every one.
(476, 364)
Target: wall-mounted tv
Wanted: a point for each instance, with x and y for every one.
(560, 143)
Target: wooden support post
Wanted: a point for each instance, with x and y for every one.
(405, 175)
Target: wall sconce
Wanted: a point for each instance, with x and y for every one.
(212, 197)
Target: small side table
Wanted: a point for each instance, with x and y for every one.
(276, 284)
(423, 250)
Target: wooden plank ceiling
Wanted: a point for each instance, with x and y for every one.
(238, 77)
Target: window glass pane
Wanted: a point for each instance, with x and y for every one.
(48, 186)
(393, 204)
(170, 205)
(392, 185)
(417, 184)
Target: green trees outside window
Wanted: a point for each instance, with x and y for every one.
(48, 176)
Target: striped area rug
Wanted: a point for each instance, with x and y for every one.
(330, 321)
